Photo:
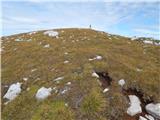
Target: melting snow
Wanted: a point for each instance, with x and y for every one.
(51, 33)
(13, 91)
(153, 109)
(43, 93)
(135, 107)
(121, 82)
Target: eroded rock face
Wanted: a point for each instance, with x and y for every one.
(135, 107)
(43, 93)
(153, 109)
(13, 91)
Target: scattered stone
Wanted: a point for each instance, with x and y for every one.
(33, 70)
(148, 42)
(105, 90)
(94, 74)
(149, 117)
(65, 90)
(142, 118)
(47, 46)
(51, 33)
(98, 57)
(13, 91)
(28, 89)
(66, 104)
(121, 82)
(25, 79)
(139, 70)
(153, 109)
(59, 78)
(43, 93)
(31, 33)
(68, 83)
(66, 53)
(65, 62)
(135, 107)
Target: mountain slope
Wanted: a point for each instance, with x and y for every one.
(65, 61)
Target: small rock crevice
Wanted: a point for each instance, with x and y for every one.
(105, 79)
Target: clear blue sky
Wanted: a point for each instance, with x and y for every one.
(123, 18)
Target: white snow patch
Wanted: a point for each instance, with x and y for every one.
(135, 107)
(94, 74)
(149, 117)
(13, 91)
(51, 33)
(142, 118)
(121, 82)
(153, 109)
(105, 90)
(43, 93)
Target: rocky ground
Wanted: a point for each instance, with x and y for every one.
(79, 74)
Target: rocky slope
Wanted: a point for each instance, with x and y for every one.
(79, 74)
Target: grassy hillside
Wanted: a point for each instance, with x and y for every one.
(134, 61)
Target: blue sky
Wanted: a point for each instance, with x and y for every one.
(123, 18)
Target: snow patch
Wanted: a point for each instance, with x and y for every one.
(13, 91)
(43, 93)
(135, 107)
(25, 79)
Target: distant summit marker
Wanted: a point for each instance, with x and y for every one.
(90, 26)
